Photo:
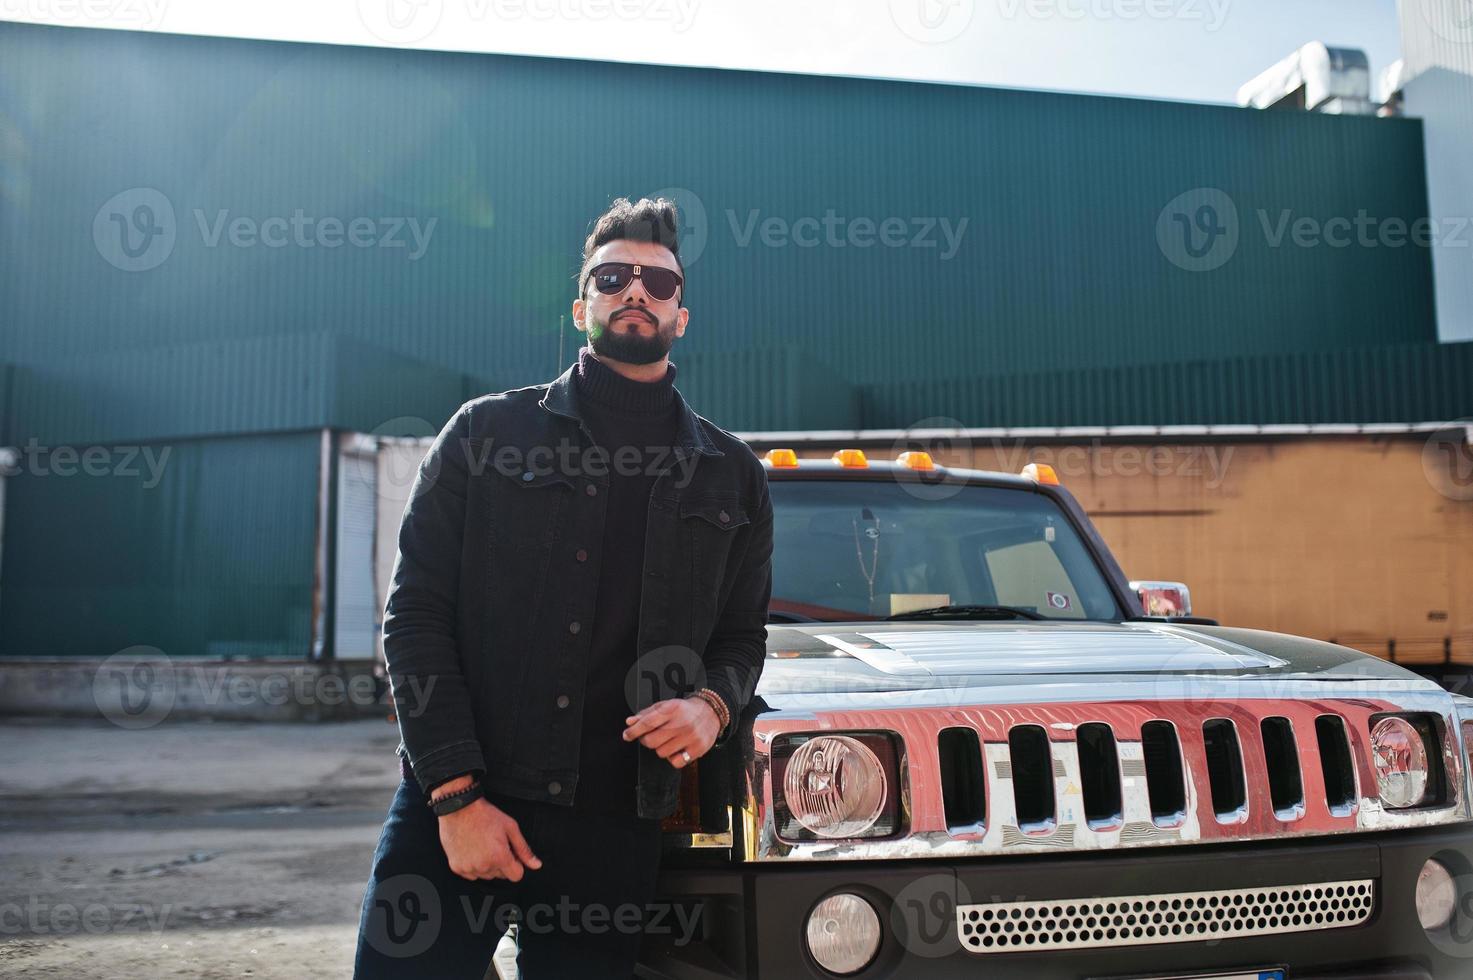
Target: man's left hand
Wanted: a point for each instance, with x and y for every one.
(675, 727)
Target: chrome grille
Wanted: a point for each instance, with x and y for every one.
(1182, 917)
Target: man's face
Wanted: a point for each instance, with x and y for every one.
(631, 325)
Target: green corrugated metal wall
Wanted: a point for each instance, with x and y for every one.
(1058, 269)
(1058, 306)
(209, 551)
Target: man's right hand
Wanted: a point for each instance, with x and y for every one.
(483, 842)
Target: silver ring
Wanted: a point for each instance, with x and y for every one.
(685, 755)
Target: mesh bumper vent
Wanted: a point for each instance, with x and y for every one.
(1183, 917)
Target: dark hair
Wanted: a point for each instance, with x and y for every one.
(655, 221)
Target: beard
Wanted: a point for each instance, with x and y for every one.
(631, 347)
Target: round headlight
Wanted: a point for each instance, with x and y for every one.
(835, 786)
(1437, 896)
(1401, 762)
(843, 933)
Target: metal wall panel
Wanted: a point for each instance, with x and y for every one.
(1405, 383)
(1058, 268)
(208, 552)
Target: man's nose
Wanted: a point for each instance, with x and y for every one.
(635, 293)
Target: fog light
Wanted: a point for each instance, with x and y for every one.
(1437, 896)
(843, 933)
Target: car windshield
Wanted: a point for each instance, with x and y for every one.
(851, 549)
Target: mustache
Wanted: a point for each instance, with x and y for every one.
(636, 310)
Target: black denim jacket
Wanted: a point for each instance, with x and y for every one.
(489, 614)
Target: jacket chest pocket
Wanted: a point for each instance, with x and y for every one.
(709, 528)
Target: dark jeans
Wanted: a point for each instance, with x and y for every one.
(581, 914)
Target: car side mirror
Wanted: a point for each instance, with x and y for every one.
(1164, 598)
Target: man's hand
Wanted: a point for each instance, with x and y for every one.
(483, 842)
(673, 727)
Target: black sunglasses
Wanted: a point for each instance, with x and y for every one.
(612, 277)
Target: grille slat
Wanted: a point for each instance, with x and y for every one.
(963, 796)
(1281, 757)
(1182, 917)
(1033, 777)
(1225, 770)
(1099, 774)
(1165, 781)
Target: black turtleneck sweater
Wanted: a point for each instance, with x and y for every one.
(619, 413)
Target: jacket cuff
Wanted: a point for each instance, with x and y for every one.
(445, 763)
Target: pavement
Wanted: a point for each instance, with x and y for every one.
(187, 850)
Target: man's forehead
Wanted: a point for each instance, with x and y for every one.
(636, 252)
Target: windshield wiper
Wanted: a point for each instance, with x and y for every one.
(969, 612)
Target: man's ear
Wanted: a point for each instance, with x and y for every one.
(580, 310)
(681, 319)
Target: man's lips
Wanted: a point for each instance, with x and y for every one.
(634, 315)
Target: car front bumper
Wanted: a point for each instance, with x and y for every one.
(752, 918)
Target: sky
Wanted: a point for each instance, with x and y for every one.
(1196, 50)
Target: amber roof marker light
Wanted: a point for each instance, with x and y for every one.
(1041, 473)
(782, 458)
(916, 460)
(851, 457)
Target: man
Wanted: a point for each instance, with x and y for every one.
(578, 612)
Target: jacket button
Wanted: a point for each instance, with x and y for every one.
(581, 554)
(591, 490)
(527, 477)
(554, 787)
(724, 516)
(562, 700)
(574, 626)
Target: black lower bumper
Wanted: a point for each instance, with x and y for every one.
(752, 917)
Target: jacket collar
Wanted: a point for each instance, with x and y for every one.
(690, 436)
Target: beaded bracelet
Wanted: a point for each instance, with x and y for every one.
(723, 714)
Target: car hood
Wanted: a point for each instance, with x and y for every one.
(1014, 661)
